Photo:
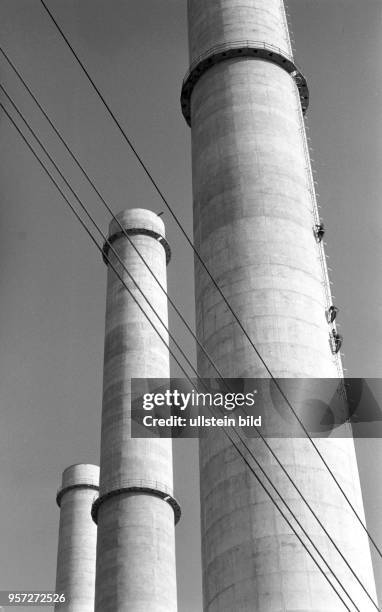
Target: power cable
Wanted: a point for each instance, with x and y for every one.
(204, 265)
(103, 235)
(172, 337)
(108, 208)
(257, 463)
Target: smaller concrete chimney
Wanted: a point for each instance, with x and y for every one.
(77, 540)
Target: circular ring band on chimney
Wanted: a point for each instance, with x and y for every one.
(78, 476)
(142, 488)
(242, 48)
(84, 485)
(135, 232)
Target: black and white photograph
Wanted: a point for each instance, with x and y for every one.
(191, 305)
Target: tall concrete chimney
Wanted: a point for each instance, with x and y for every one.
(76, 558)
(255, 225)
(136, 511)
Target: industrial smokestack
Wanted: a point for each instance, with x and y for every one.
(136, 510)
(254, 220)
(76, 557)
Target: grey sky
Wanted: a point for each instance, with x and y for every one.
(52, 281)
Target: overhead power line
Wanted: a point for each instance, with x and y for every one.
(269, 447)
(206, 269)
(191, 382)
(107, 206)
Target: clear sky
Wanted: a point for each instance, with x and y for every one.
(53, 281)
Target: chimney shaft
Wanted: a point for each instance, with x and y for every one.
(135, 510)
(76, 557)
(254, 219)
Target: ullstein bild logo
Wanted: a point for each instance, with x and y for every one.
(281, 407)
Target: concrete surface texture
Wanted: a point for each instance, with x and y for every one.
(136, 532)
(76, 557)
(254, 214)
(227, 21)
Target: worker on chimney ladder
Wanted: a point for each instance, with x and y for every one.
(331, 313)
(336, 341)
(319, 231)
